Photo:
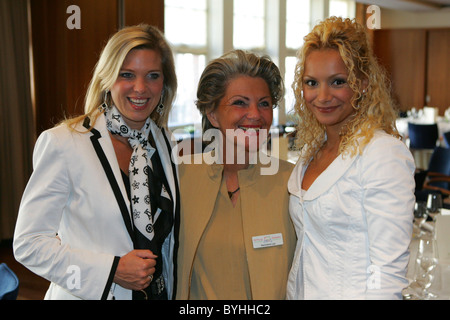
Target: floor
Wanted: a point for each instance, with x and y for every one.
(31, 286)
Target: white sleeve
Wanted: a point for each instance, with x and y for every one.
(36, 244)
(388, 181)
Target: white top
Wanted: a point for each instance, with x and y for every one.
(354, 225)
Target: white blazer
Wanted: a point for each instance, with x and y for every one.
(354, 225)
(70, 228)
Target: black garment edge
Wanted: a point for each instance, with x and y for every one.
(110, 278)
(110, 175)
(123, 208)
(118, 195)
(176, 222)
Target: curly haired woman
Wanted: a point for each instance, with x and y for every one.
(352, 190)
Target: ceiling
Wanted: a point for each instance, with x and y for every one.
(410, 5)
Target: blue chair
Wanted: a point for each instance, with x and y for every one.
(447, 138)
(422, 136)
(9, 283)
(422, 141)
(436, 179)
(438, 173)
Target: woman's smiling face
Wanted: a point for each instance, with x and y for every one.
(137, 90)
(325, 88)
(246, 109)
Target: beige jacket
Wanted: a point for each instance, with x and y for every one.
(264, 203)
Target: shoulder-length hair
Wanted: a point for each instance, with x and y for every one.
(107, 70)
(372, 101)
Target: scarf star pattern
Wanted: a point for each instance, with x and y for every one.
(151, 203)
(138, 170)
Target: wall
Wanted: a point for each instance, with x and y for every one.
(394, 19)
(64, 58)
(415, 49)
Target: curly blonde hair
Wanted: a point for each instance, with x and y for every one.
(374, 107)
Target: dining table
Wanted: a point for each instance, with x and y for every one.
(422, 157)
(443, 124)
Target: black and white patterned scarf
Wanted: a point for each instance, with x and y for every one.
(149, 197)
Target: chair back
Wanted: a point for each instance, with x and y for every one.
(422, 136)
(447, 138)
(9, 283)
(440, 162)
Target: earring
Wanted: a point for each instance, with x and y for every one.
(160, 108)
(104, 106)
(361, 97)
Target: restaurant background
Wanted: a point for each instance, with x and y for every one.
(46, 66)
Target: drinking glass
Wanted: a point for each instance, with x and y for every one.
(426, 262)
(420, 216)
(434, 204)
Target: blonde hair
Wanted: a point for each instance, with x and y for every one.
(374, 107)
(219, 72)
(107, 69)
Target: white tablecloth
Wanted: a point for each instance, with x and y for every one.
(441, 282)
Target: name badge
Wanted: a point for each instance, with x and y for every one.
(269, 240)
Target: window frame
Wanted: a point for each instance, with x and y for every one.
(220, 18)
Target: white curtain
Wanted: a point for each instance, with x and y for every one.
(17, 129)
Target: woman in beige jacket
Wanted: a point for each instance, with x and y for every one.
(236, 237)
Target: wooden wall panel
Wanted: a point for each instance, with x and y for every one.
(144, 11)
(64, 58)
(403, 54)
(99, 20)
(48, 24)
(438, 71)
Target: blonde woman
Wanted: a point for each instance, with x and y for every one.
(352, 190)
(98, 215)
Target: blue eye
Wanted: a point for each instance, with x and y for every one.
(154, 75)
(265, 104)
(126, 75)
(239, 103)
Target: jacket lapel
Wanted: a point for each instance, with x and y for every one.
(208, 177)
(163, 145)
(329, 176)
(113, 174)
(171, 175)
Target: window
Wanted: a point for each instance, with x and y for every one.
(193, 12)
(297, 22)
(190, 48)
(189, 68)
(342, 8)
(249, 24)
(213, 27)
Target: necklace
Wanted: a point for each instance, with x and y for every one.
(230, 194)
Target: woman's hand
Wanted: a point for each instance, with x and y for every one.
(135, 269)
